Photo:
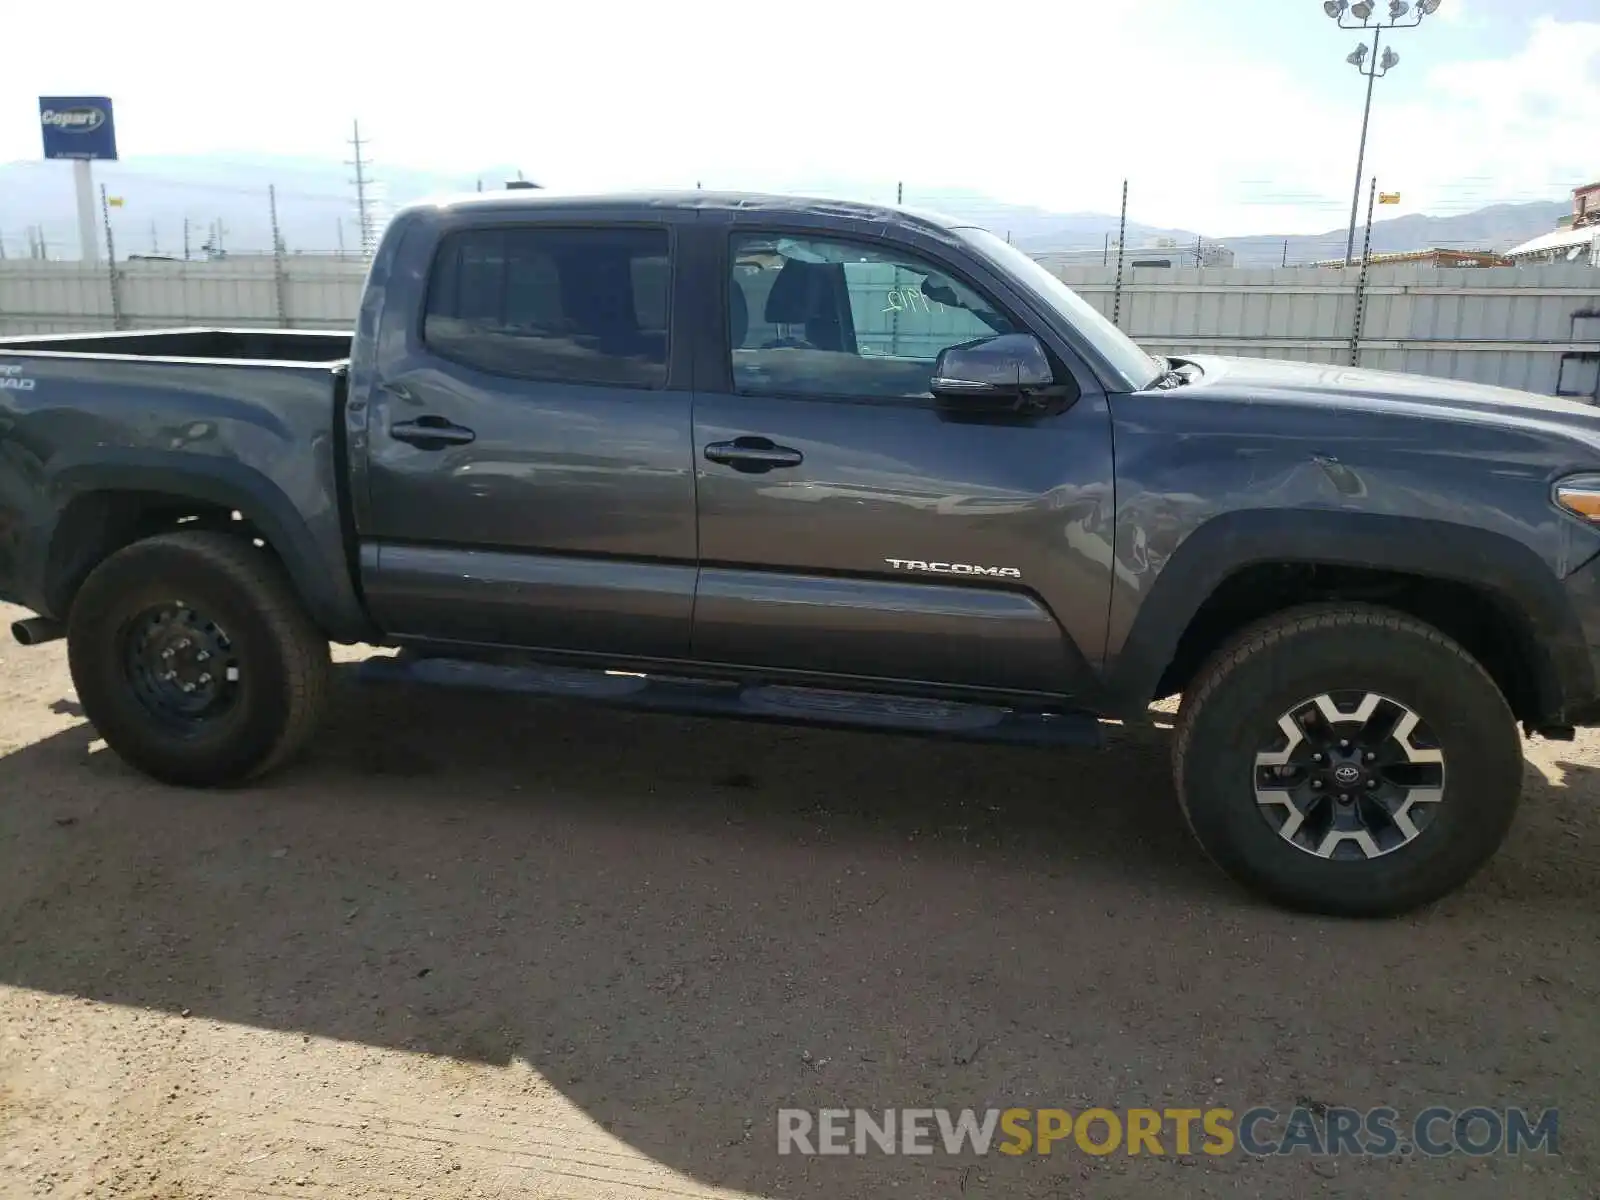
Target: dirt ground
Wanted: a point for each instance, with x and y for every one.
(480, 946)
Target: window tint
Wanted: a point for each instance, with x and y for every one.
(586, 306)
(825, 318)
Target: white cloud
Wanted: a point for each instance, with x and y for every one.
(1032, 103)
(1519, 127)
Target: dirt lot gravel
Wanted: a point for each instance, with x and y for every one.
(478, 946)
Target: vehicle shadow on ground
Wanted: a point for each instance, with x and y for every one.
(685, 925)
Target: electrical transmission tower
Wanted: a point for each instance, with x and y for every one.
(368, 194)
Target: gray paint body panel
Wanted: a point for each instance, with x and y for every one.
(970, 637)
(630, 609)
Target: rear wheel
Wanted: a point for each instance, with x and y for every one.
(1347, 760)
(195, 660)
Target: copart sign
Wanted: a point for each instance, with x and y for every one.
(77, 127)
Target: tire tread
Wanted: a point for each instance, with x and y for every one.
(300, 645)
(1257, 647)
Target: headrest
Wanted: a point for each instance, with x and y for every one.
(792, 300)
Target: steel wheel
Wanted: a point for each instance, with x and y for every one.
(180, 665)
(1350, 775)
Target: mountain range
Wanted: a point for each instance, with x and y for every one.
(316, 212)
(1497, 227)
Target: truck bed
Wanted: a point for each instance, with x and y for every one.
(95, 427)
(215, 345)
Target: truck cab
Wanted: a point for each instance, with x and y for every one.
(708, 432)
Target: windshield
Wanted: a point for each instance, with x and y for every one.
(1139, 369)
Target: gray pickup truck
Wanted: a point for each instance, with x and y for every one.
(827, 462)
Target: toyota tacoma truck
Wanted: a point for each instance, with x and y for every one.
(826, 462)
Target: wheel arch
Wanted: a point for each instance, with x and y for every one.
(1492, 594)
(112, 503)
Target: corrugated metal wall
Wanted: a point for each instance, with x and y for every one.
(1511, 326)
(1514, 326)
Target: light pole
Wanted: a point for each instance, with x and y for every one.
(1376, 68)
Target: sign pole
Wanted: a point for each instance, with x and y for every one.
(88, 227)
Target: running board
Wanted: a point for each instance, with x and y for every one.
(754, 702)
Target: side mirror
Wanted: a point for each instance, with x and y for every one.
(1004, 371)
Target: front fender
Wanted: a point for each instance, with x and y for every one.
(1512, 573)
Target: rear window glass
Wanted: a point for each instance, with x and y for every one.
(574, 305)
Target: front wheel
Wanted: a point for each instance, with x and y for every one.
(1347, 760)
(194, 659)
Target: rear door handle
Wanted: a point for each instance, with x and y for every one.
(753, 455)
(431, 433)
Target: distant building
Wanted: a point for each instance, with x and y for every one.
(1576, 238)
(1586, 205)
(1563, 246)
(1161, 252)
(1427, 258)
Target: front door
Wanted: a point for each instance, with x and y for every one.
(853, 525)
(528, 473)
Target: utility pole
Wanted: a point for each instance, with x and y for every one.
(362, 181)
(1361, 282)
(155, 245)
(272, 215)
(1122, 246)
(113, 279)
(1362, 11)
(105, 217)
(186, 239)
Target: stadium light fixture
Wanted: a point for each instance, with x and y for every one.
(1381, 61)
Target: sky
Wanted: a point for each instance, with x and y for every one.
(1231, 116)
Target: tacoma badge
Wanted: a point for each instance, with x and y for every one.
(949, 568)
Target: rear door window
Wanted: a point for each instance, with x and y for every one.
(566, 305)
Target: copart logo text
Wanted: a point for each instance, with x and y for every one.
(73, 120)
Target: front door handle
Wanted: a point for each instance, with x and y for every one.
(431, 433)
(753, 455)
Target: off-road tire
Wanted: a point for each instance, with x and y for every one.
(1238, 697)
(283, 677)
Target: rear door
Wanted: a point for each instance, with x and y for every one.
(527, 481)
(853, 525)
